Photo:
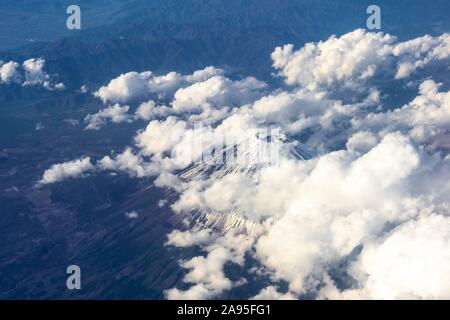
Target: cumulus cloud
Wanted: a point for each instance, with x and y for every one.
(396, 268)
(9, 72)
(84, 89)
(426, 116)
(30, 73)
(34, 72)
(362, 141)
(216, 92)
(132, 215)
(161, 136)
(419, 52)
(410, 262)
(206, 272)
(299, 111)
(71, 169)
(133, 85)
(115, 113)
(125, 87)
(352, 57)
(189, 238)
(130, 163)
(355, 57)
(342, 200)
(149, 111)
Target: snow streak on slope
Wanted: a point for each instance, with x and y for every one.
(247, 158)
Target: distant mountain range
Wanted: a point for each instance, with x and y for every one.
(166, 35)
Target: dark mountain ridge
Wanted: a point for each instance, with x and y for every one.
(179, 35)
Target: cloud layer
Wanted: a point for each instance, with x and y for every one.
(355, 203)
(71, 169)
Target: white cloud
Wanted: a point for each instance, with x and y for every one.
(299, 111)
(362, 141)
(130, 163)
(9, 72)
(204, 74)
(116, 113)
(30, 73)
(207, 274)
(189, 238)
(419, 52)
(217, 91)
(350, 60)
(149, 111)
(133, 86)
(71, 169)
(34, 72)
(124, 88)
(132, 215)
(161, 136)
(411, 262)
(426, 116)
(343, 201)
(60, 86)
